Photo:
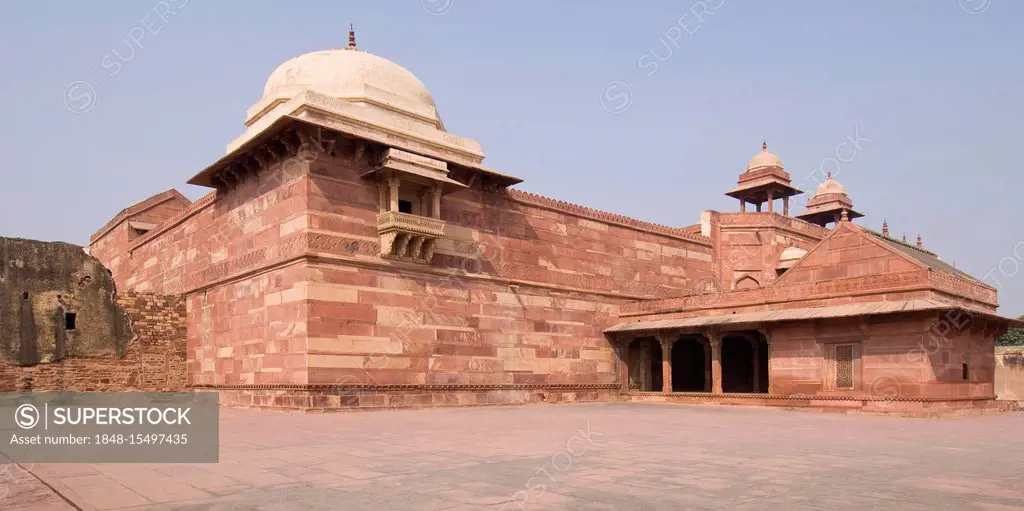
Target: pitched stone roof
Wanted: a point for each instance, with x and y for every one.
(929, 259)
(139, 207)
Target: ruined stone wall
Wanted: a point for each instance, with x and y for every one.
(153, 360)
(56, 301)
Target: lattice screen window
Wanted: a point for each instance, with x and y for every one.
(844, 366)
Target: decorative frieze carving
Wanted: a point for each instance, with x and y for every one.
(962, 287)
(404, 222)
(837, 287)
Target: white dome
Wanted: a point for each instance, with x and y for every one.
(347, 73)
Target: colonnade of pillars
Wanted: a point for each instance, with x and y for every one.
(770, 202)
(641, 371)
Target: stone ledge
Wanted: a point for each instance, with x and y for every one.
(330, 398)
(805, 397)
(414, 387)
(904, 407)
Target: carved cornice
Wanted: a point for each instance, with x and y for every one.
(963, 288)
(871, 284)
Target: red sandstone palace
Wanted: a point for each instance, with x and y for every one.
(354, 253)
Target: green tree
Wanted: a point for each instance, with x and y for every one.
(1012, 337)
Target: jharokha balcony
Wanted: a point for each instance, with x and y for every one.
(408, 236)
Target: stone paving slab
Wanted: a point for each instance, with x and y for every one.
(20, 489)
(621, 456)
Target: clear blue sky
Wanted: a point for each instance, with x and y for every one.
(936, 89)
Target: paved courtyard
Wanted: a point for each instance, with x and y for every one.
(588, 456)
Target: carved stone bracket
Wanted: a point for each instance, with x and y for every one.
(408, 237)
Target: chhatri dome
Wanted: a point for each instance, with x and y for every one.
(764, 160)
(764, 181)
(830, 185)
(829, 203)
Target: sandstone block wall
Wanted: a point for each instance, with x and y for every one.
(286, 285)
(154, 359)
(517, 294)
(902, 356)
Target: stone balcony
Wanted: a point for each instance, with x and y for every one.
(408, 237)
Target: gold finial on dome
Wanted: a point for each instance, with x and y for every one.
(885, 227)
(764, 145)
(351, 37)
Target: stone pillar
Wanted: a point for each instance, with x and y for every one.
(785, 205)
(743, 206)
(758, 207)
(382, 196)
(707, 365)
(666, 361)
(755, 345)
(771, 201)
(425, 201)
(393, 184)
(715, 340)
(435, 212)
(766, 333)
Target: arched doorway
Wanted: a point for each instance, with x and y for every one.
(737, 365)
(643, 365)
(688, 365)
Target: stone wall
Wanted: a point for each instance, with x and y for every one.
(748, 245)
(56, 301)
(1010, 373)
(153, 360)
(286, 285)
(906, 356)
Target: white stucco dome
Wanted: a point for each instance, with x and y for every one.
(352, 75)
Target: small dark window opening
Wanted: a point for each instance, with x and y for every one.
(70, 318)
(405, 206)
(24, 296)
(966, 373)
